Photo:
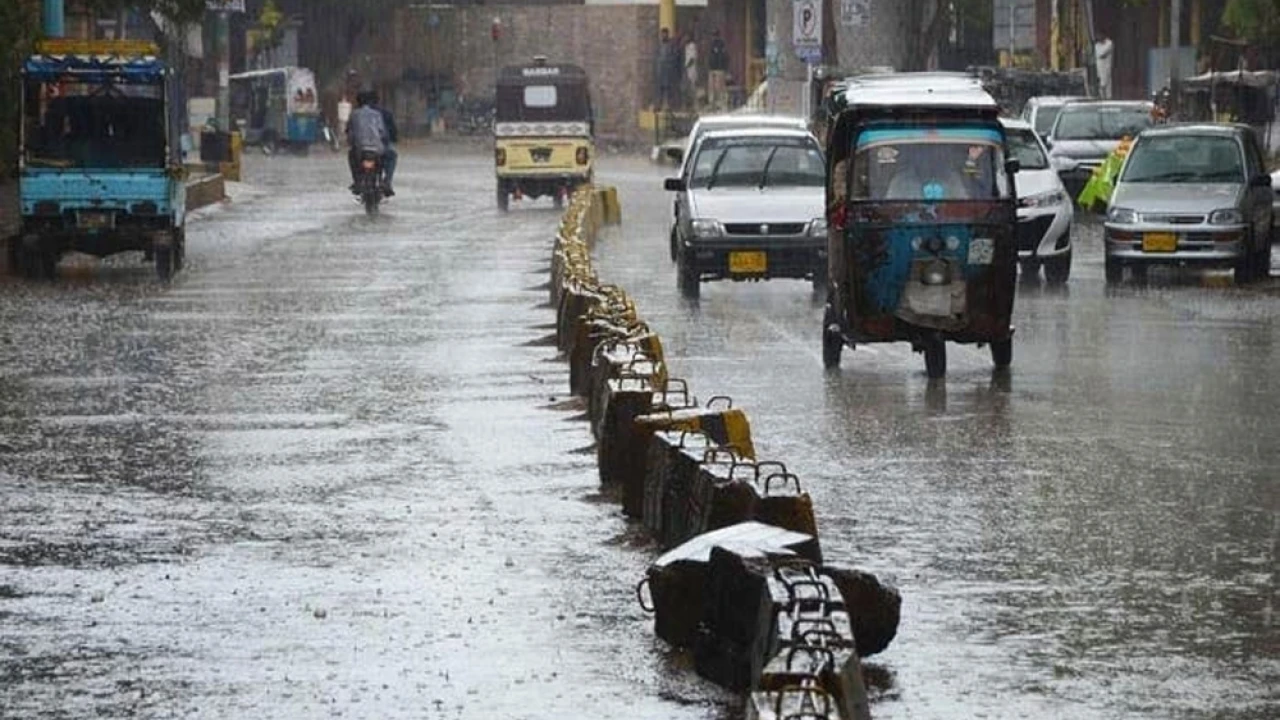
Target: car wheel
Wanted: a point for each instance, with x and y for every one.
(674, 242)
(1002, 353)
(820, 279)
(1058, 270)
(1115, 272)
(687, 278)
(1263, 264)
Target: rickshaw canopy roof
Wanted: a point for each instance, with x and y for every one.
(1255, 79)
(95, 68)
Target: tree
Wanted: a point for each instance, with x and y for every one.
(1257, 22)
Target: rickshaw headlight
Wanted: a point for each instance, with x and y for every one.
(1123, 216)
(706, 228)
(818, 227)
(936, 273)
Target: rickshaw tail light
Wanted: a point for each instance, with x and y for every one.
(500, 157)
(581, 156)
(367, 164)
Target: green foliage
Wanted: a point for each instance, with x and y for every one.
(1255, 21)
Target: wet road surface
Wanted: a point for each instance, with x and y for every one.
(324, 474)
(1093, 535)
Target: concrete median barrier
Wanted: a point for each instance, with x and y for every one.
(742, 585)
(205, 191)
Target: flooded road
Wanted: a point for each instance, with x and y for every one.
(321, 475)
(330, 472)
(1093, 535)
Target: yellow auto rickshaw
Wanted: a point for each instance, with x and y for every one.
(543, 131)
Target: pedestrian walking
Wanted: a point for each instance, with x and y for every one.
(717, 73)
(1103, 52)
(666, 75)
(691, 71)
(344, 115)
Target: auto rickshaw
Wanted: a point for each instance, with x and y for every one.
(543, 131)
(921, 217)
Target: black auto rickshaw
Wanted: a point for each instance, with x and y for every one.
(921, 217)
(543, 131)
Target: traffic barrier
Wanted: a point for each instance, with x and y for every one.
(742, 585)
(205, 191)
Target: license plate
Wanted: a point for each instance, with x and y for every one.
(96, 220)
(748, 263)
(1159, 242)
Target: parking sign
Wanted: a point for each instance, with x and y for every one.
(806, 32)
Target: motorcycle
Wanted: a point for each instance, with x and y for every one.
(368, 187)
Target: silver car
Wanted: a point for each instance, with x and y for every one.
(1085, 133)
(1192, 195)
(750, 207)
(1041, 111)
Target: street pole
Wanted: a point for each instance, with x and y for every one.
(222, 33)
(54, 18)
(1175, 40)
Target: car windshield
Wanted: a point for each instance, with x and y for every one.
(92, 125)
(758, 162)
(1106, 122)
(1025, 147)
(918, 164)
(1185, 159)
(1045, 115)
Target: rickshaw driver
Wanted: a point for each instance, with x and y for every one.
(927, 172)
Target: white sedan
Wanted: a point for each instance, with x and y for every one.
(1045, 212)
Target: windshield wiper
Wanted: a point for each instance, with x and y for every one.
(1174, 176)
(1223, 176)
(715, 169)
(764, 176)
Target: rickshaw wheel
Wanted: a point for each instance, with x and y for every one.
(832, 342)
(179, 249)
(935, 357)
(1002, 353)
(164, 262)
(504, 199)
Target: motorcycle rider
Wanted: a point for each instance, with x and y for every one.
(390, 157)
(366, 132)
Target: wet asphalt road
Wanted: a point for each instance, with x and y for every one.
(330, 472)
(1093, 535)
(325, 474)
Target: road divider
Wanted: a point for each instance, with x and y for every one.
(742, 585)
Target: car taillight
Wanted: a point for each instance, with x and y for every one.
(500, 157)
(582, 156)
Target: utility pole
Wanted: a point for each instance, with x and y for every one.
(1175, 40)
(222, 35)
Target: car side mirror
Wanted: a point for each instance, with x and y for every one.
(1012, 166)
(674, 185)
(1262, 181)
(675, 155)
(1048, 142)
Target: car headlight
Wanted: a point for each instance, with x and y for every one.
(1051, 198)
(1122, 216)
(1062, 163)
(818, 227)
(706, 228)
(1227, 216)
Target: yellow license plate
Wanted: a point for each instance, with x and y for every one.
(748, 263)
(1159, 242)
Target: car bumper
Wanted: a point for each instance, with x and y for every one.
(789, 257)
(1201, 246)
(1044, 233)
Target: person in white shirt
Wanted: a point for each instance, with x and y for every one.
(691, 69)
(344, 115)
(1103, 51)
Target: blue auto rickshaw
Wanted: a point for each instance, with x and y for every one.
(100, 156)
(921, 216)
(277, 108)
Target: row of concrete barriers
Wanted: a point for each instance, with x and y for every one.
(742, 584)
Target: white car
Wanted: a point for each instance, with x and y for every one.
(1045, 211)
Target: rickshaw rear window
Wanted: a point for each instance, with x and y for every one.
(929, 164)
(540, 96)
(93, 125)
